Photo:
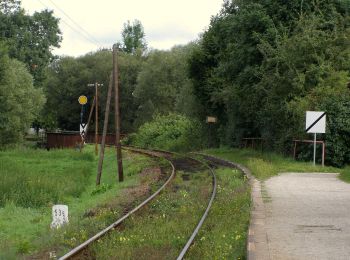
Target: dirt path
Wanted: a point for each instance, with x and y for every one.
(307, 216)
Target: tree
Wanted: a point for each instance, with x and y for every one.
(20, 102)
(29, 38)
(68, 78)
(9, 6)
(258, 59)
(163, 84)
(133, 37)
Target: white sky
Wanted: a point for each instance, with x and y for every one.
(166, 22)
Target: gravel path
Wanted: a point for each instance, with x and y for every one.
(307, 216)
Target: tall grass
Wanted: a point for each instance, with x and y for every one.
(34, 179)
(265, 165)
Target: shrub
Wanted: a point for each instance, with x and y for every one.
(170, 132)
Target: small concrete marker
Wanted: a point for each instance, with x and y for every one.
(59, 216)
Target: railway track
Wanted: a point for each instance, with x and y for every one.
(183, 164)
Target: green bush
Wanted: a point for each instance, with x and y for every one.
(171, 132)
(333, 97)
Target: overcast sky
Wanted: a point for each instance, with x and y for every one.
(166, 22)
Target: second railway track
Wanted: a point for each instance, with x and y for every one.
(190, 170)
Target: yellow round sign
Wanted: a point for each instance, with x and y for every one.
(82, 100)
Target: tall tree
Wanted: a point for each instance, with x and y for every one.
(163, 84)
(9, 6)
(20, 101)
(68, 78)
(133, 37)
(258, 59)
(30, 38)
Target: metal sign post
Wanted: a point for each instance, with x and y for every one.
(82, 101)
(315, 123)
(315, 149)
(211, 120)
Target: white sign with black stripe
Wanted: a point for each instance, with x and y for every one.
(315, 124)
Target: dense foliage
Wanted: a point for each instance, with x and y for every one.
(25, 51)
(163, 85)
(69, 78)
(20, 101)
(156, 83)
(133, 37)
(29, 38)
(170, 132)
(262, 64)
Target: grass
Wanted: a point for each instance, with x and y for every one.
(266, 165)
(33, 180)
(224, 233)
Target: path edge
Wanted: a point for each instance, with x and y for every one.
(257, 242)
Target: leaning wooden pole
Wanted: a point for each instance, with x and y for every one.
(117, 113)
(105, 126)
(90, 115)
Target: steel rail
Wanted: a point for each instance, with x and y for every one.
(200, 223)
(227, 163)
(82, 246)
(223, 162)
(204, 216)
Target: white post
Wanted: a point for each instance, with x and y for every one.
(59, 215)
(315, 150)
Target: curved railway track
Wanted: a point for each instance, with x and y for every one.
(103, 232)
(177, 163)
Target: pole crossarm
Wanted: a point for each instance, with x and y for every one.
(95, 84)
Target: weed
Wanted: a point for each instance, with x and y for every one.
(102, 188)
(224, 233)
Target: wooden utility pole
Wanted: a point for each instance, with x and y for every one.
(96, 85)
(105, 126)
(117, 113)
